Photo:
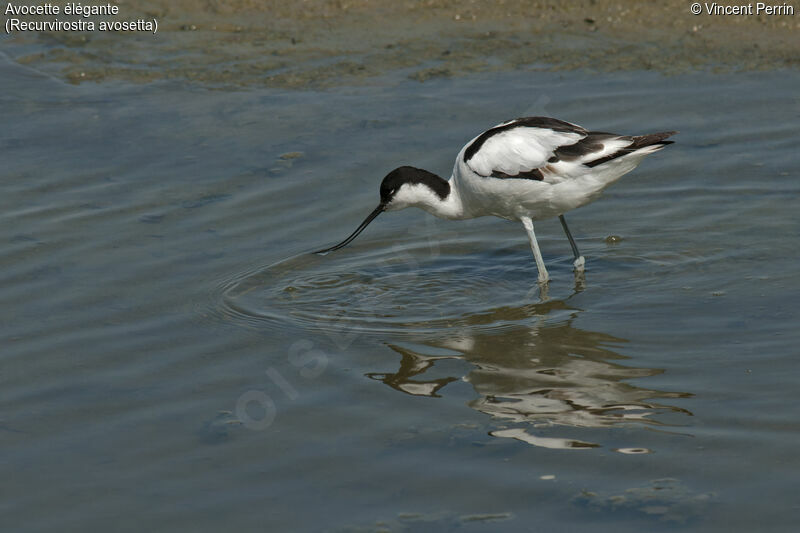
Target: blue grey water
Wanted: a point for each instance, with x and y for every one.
(173, 359)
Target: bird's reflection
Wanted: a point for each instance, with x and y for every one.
(536, 370)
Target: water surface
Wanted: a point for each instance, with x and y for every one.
(173, 359)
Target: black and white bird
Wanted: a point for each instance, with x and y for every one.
(525, 169)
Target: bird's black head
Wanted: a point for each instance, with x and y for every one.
(400, 189)
(400, 176)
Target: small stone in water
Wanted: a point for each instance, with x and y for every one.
(291, 155)
(613, 239)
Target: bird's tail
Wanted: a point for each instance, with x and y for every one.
(641, 145)
(652, 139)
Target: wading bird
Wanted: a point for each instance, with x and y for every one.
(525, 169)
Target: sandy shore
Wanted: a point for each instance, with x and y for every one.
(319, 43)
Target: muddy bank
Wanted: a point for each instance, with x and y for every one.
(324, 43)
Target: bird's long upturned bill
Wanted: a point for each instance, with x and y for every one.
(378, 210)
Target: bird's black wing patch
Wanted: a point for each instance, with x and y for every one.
(593, 142)
(534, 174)
(530, 122)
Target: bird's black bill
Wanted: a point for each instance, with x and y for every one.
(378, 210)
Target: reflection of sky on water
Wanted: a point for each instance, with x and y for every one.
(545, 375)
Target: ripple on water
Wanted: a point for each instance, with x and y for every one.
(414, 288)
(382, 289)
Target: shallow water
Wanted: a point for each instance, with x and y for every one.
(173, 359)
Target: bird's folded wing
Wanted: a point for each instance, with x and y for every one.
(521, 147)
(547, 149)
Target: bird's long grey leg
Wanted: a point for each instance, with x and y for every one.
(579, 260)
(543, 276)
